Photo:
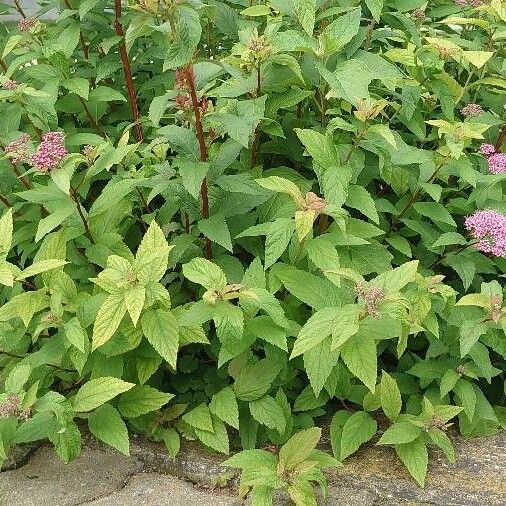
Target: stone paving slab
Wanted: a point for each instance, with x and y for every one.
(157, 490)
(373, 476)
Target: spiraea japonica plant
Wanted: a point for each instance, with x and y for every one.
(234, 222)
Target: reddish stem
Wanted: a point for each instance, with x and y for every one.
(190, 79)
(5, 200)
(75, 198)
(127, 70)
(19, 9)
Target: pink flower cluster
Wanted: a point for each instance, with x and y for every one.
(26, 24)
(496, 161)
(19, 148)
(10, 406)
(9, 84)
(50, 152)
(471, 110)
(489, 227)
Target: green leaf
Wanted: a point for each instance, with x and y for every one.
(282, 185)
(193, 173)
(17, 377)
(320, 147)
(24, 306)
(67, 442)
(340, 322)
(298, 448)
(134, 301)
(108, 318)
(305, 10)
(349, 81)
(375, 6)
(470, 333)
(398, 278)
(279, 233)
(359, 355)
(142, 399)
(98, 391)
(76, 334)
(217, 439)
(336, 35)
(216, 229)
(6, 227)
(161, 329)
(415, 457)
(268, 412)
(78, 85)
(105, 94)
(440, 439)
(359, 198)
(181, 140)
(256, 10)
(199, 418)
(466, 397)
(400, 433)
(205, 273)
(255, 380)
(319, 363)
(359, 428)
(39, 267)
(435, 211)
(224, 406)
(477, 58)
(391, 401)
(106, 424)
(172, 442)
(152, 256)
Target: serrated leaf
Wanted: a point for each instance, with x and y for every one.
(106, 424)
(161, 329)
(391, 400)
(134, 301)
(415, 457)
(199, 418)
(205, 273)
(142, 399)
(359, 428)
(359, 355)
(400, 433)
(216, 229)
(299, 447)
(217, 439)
(224, 406)
(98, 391)
(268, 412)
(108, 318)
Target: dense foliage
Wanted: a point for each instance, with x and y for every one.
(232, 222)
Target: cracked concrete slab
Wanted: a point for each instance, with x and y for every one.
(157, 490)
(45, 480)
(371, 477)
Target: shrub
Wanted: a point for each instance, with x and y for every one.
(225, 221)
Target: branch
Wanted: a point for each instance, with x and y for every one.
(5, 200)
(127, 71)
(500, 138)
(87, 231)
(190, 78)
(17, 6)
